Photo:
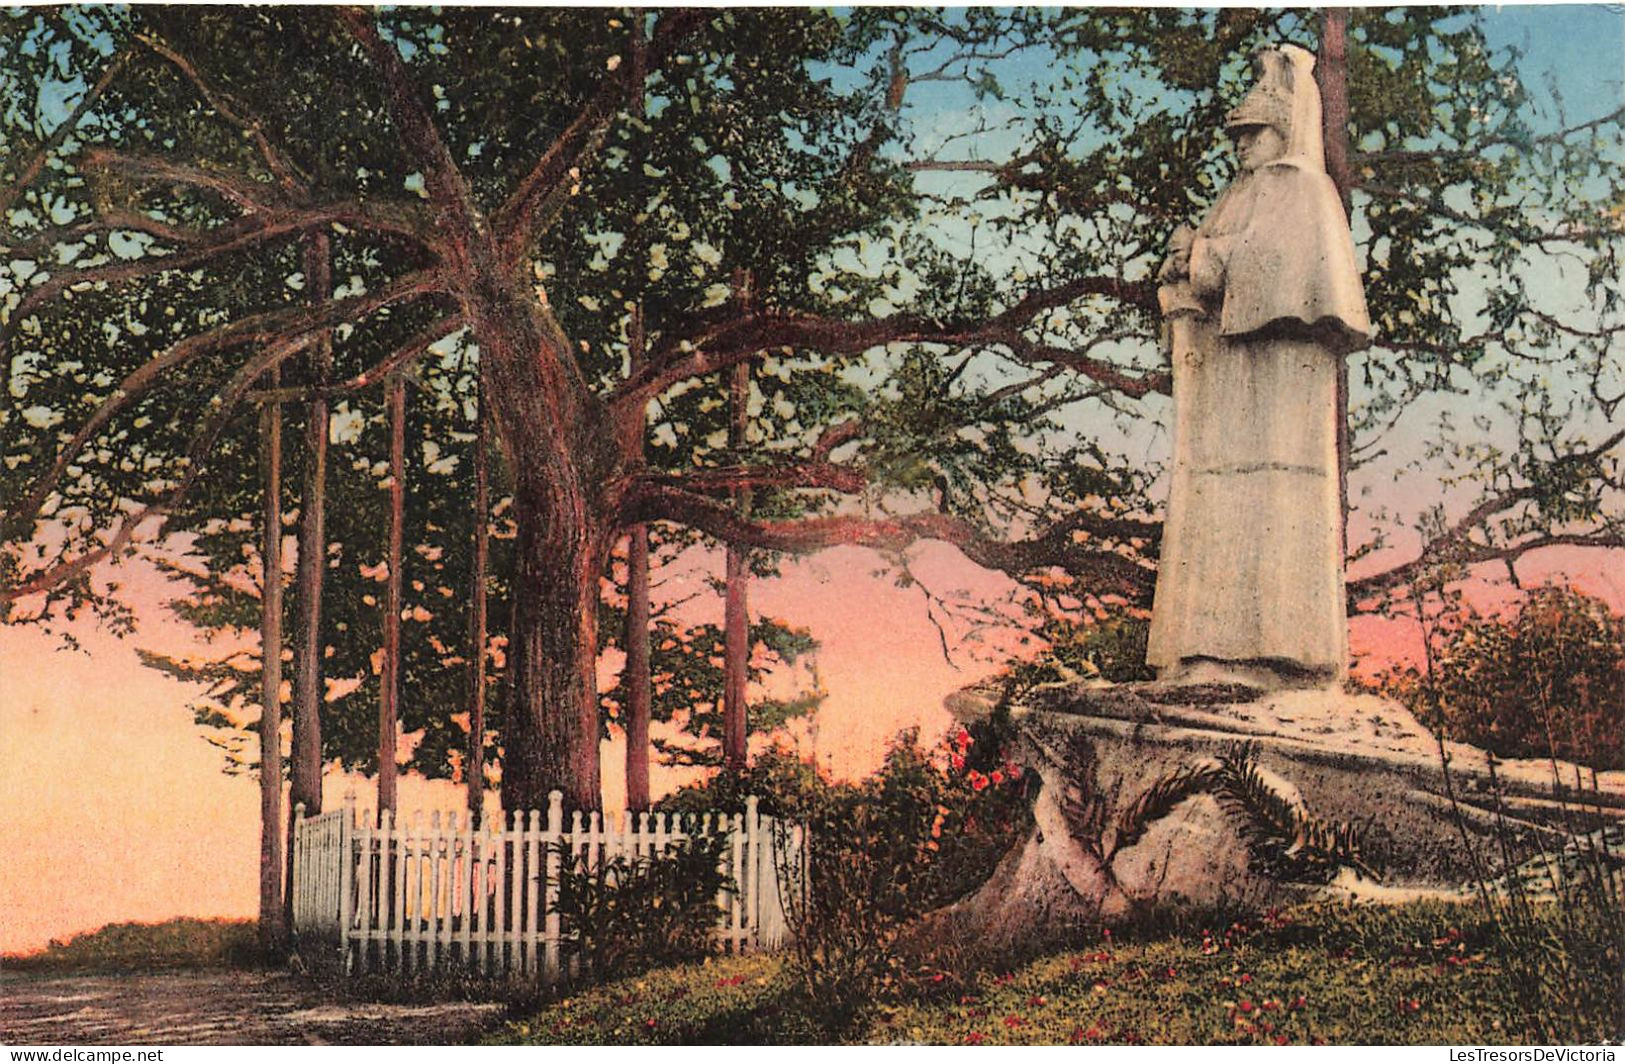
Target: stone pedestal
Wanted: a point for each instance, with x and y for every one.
(1360, 759)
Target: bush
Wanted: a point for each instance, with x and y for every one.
(627, 914)
(1549, 681)
(925, 830)
(1112, 649)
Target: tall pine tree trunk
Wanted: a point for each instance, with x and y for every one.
(1332, 71)
(390, 681)
(637, 681)
(736, 615)
(273, 926)
(475, 770)
(639, 688)
(305, 787)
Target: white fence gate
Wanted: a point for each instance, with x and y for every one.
(405, 895)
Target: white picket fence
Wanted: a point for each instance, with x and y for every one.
(406, 895)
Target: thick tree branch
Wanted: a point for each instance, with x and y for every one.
(275, 328)
(551, 175)
(195, 249)
(442, 179)
(1059, 546)
(1379, 585)
(202, 444)
(288, 175)
(42, 154)
(246, 193)
(377, 373)
(722, 342)
(1456, 546)
(836, 435)
(815, 474)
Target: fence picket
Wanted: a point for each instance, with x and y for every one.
(345, 875)
(555, 839)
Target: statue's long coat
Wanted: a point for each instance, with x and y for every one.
(1252, 563)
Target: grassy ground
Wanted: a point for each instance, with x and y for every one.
(182, 943)
(1418, 974)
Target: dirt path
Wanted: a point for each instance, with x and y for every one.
(220, 1007)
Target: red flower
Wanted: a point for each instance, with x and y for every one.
(998, 777)
(978, 782)
(962, 739)
(957, 760)
(974, 1038)
(1035, 1000)
(1013, 1021)
(1246, 1006)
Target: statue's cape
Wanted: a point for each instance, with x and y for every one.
(1290, 265)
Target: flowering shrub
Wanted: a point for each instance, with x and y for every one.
(923, 831)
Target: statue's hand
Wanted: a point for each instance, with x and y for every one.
(1206, 264)
(1178, 264)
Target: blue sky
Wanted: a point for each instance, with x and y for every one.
(1581, 47)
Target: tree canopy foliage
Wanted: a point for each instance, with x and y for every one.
(930, 233)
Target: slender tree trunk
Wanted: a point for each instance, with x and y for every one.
(306, 754)
(475, 771)
(736, 613)
(1332, 71)
(273, 927)
(390, 686)
(638, 681)
(639, 687)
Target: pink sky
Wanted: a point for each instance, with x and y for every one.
(117, 809)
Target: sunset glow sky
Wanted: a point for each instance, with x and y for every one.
(113, 807)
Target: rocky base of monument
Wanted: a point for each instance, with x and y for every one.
(1355, 772)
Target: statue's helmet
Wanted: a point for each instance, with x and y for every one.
(1269, 103)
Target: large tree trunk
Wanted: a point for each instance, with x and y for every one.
(475, 770)
(305, 787)
(566, 461)
(1332, 71)
(273, 926)
(550, 738)
(637, 681)
(390, 681)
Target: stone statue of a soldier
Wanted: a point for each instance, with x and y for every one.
(1262, 300)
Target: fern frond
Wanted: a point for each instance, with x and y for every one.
(1160, 800)
(1283, 841)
